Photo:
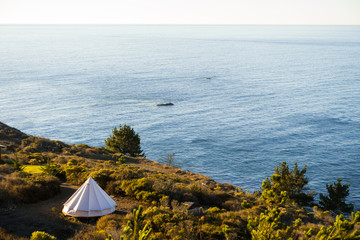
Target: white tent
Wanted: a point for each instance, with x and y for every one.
(89, 201)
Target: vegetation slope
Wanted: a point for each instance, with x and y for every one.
(154, 201)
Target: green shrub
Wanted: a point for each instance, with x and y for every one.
(198, 191)
(114, 188)
(17, 165)
(140, 189)
(38, 157)
(72, 162)
(214, 210)
(210, 231)
(132, 187)
(75, 174)
(109, 162)
(225, 229)
(109, 222)
(342, 229)
(33, 161)
(205, 196)
(127, 172)
(134, 228)
(81, 145)
(268, 226)
(55, 170)
(245, 204)
(148, 196)
(121, 160)
(38, 235)
(102, 177)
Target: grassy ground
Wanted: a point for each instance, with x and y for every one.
(33, 169)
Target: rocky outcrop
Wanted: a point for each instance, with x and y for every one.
(164, 104)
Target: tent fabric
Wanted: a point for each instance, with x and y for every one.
(89, 201)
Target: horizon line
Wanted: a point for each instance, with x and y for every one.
(154, 24)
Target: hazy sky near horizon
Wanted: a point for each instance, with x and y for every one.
(336, 12)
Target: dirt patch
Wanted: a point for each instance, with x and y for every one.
(41, 216)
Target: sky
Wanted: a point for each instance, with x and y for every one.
(313, 12)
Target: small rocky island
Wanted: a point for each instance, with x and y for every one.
(165, 104)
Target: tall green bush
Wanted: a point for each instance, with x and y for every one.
(102, 177)
(292, 182)
(17, 165)
(124, 140)
(336, 199)
(75, 174)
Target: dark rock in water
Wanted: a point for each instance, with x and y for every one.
(165, 104)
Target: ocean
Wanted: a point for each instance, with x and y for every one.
(246, 97)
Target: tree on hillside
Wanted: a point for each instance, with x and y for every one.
(124, 140)
(336, 199)
(292, 182)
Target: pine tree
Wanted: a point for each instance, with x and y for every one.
(290, 182)
(336, 199)
(124, 140)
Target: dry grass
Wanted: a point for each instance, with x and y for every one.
(20, 187)
(4, 235)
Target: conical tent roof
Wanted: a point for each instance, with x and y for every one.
(89, 201)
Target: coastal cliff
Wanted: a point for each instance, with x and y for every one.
(37, 175)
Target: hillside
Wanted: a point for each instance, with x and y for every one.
(177, 204)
